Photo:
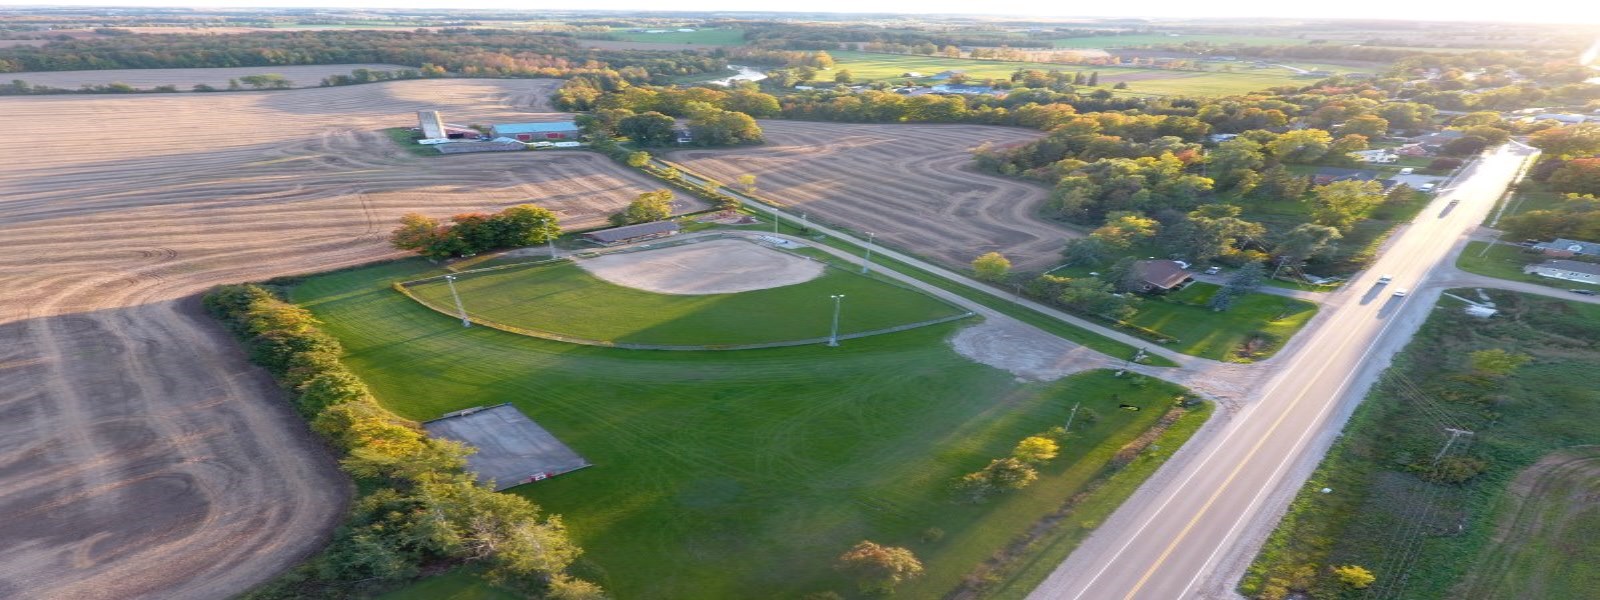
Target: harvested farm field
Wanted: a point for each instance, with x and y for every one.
(913, 185)
(144, 79)
(142, 456)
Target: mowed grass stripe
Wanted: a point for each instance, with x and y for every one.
(743, 474)
(565, 299)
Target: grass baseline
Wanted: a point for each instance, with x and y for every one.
(560, 301)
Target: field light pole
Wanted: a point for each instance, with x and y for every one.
(450, 280)
(833, 338)
(867, 262)
(549, 239)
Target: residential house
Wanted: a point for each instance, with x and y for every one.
(1160, 276)
(1565, 248)
(1327, 175)
(1413, 149)
(1569, 270)
(1434, 141)
(1380, 155)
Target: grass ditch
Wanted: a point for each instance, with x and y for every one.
(1400, 496)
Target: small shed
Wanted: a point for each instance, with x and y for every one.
(632, 233)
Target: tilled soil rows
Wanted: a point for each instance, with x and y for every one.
(915, 186)
(141, 456)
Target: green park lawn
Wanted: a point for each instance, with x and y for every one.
(1267, 320)
(1505, 261)
(742, 474)
(1455, 534)
(868, 66)
(564, 299)
(715, 37)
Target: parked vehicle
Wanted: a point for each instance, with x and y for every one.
(1400, 293)
(1386, 279)
(1407, 171)
(1213, 270)
(1584, 292)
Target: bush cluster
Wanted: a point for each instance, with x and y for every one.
(1014, 472)
(419, 507)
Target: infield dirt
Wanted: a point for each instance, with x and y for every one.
(140, 455)
(913, 185)
(714, 267)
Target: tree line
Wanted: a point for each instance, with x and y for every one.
(470, 233)
(466, 52)
(418, 508)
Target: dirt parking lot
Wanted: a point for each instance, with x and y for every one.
(140, 455)
(913, 185)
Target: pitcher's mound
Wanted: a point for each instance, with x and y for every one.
(715, 267)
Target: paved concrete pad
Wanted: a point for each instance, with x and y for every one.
(512, 449)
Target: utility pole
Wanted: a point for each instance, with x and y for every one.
(1070, 417)
(838, 301)
(1454, 433)
(774, 221)
(450, 280)
(867, 262)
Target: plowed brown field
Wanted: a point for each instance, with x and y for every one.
(915, 186)
(140, 455)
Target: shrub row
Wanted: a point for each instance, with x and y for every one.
(419, 508)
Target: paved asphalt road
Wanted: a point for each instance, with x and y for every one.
(1169, 542)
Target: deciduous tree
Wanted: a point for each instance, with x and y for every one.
(877, 568)
(991, 266)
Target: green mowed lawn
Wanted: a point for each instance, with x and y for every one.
(1203, 332)
(865, 66)
(716, 37)
(1125, 41)
(1506, 261)
(743, 474)
(567, 300)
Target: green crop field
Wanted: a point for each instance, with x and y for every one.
(564, 299)
(1125, 41)
(743, 474)
(865, 66)
(715, 37)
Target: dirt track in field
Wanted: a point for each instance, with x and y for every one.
(915, 186)
(144, 79)
(140, 455)
(1552, 506)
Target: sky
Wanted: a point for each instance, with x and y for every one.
(1567, 11)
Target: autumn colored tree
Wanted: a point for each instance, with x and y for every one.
(649, 206)
(992, 266)
(1035, 449)
(1356, 577)
(878, 568)
(1301, 146)
(1341, 203)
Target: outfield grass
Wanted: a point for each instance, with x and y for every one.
(743, 474)
(564, 299)
(1125, 41)
(1378, 504)
(1270, 320)
(1505, 261)
(714, 37)
(867, 66)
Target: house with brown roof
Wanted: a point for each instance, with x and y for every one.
(1160, 276)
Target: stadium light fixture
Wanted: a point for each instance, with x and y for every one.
(450, 280)
(838, 301)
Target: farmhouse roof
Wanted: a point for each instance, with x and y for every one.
(1573, 246)
(1163, 274)
(1572, 266)
(618, 234)
(513, 128)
